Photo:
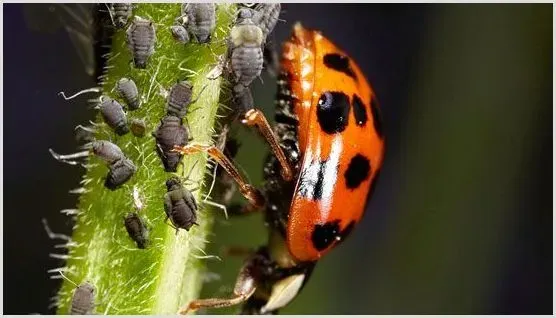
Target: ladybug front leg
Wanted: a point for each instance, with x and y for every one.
(255, 117)
(246, 285)
(254, 196)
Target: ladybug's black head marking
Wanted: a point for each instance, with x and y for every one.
(358, 170)
(359, 111)
(333, 111)
(377, 117)
(339, 63)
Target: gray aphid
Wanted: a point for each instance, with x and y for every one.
(114, 116)
(266, 15)
(180, 205)
(199, 19)
(120, 13)
(179, 33)
(107, 151)
(121, 168)
(179, 99)
(246, 40)
(83, 300)
(137, 230)
(138, 127)
(128, 91)
(141, 38)
(120, 172)
(170, 133)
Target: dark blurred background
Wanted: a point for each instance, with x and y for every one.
(461, 220)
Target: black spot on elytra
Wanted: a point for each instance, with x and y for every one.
(359, 111)
(358, 170)
(324, 235)
(333, 111)
(377, 116)
(339, 63)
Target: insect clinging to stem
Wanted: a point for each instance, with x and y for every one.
(327, 151)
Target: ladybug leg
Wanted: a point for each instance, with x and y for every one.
(251, 193)
(236, 251)
(244, 288)
(255, 117)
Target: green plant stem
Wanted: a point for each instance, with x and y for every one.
(166, 275)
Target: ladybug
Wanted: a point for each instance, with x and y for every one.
(327, 151)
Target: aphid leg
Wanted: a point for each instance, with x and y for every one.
(171, 225)
(201, 92)
(68, 158)
(236, 251)
(253, 195)
(53, 235)
(217, 205)
(245, 286)
(88, 90)
(255, 117)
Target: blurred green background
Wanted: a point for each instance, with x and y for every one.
(461, 219)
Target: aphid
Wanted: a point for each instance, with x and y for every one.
(83, 300)
(138, 127)
(120, 13)
(141, 38)
(266, 15)
(128, 91)
(246, 49)
(114, 116)
(137, 229)
(180, 205)
(199, 19)
(120, 172)
(179, 98)
(170, 132)
(327, 151)
(179, 33)
(121, 169)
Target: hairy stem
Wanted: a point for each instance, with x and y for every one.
(166, 275)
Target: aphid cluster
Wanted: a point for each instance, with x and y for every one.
(197, 21)
(327, 149)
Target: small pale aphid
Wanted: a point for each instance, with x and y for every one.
(141, 38)
(128, 91)
(106, 150)
(199, 19)
(179, 33)
(138, 127)
(137, 229)
(246, 40)
(266, 16)
(83, 300)
(179, 99)
(169, 133)
(114, 116)
(120, 13)
(180, 205)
